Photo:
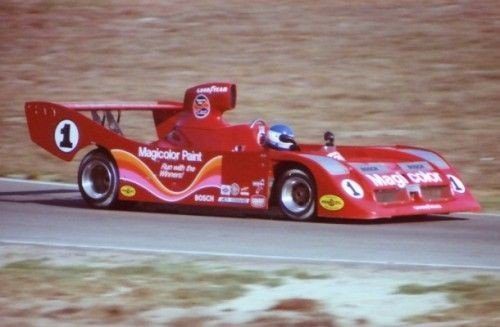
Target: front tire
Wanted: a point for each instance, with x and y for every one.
(98, 180)
(296, 195)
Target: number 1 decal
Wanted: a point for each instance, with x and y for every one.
(65, 131)
(354, 191)
(66, 136)
(353, 188)
(456, 184)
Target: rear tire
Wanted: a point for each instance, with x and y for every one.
(296, 194)
(98, 180)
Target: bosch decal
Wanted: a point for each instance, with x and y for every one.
(204, 198)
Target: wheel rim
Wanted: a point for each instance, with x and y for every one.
(296, 194)
(96, 180)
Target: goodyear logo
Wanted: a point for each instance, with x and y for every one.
(331, 202)
(128, 191)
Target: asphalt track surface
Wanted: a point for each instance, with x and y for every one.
(53, 214)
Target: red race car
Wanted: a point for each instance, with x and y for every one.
(200, 160)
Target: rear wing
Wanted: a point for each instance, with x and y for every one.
(104, 112)
(62, 129)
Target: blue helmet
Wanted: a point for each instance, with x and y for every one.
(273, 137)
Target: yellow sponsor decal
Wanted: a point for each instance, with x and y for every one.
(331, 202)
(127, 191)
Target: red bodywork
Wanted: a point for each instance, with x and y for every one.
(199, 159)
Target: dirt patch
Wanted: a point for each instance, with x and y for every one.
(424, 74)
(190, 322)
(297, 304)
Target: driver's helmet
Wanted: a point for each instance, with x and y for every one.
(273, 137)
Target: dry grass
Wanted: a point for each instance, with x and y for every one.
(301, 274)
(420, 73)
(177, 285)
(59, 287)
(318, 320)
(105, 291)
(116, 294)
(475, 302)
